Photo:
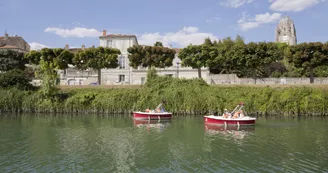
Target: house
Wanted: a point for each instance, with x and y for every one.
(124, 74)
(127, 75)
(15, 43)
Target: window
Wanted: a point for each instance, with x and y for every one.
(109, 43)
(121, 78)
(121, 62)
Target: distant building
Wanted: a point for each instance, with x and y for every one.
(125, 74)
(16, 43)
(286, 31)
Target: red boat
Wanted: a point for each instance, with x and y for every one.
(236, 117)
(152, 115)
(236, 121)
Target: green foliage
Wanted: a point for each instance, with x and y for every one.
(151, 73)
(306, 57)
(151, 56)
(96, 58)
(15, 78)
(10, 59)
(183, 97)
(49, 61)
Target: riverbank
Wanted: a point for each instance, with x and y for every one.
(183, 97)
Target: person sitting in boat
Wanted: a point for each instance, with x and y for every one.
(226, 114)
(241, 114)
(236, 114)
(160, 107)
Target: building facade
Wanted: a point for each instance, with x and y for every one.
(286, 31)
(124, 74)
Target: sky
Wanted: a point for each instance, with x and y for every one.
(50, 23)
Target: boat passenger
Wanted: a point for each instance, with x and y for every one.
(241, 114)
(226, 114)
(236, 114)
(160, 107)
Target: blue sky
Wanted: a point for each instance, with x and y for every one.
(176, 22)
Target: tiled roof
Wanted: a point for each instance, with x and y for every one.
(11, 40)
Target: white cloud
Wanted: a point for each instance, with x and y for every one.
(235, 3)
(212, 19)
(37, 46)
(292, 5)
(184, 37)
(246, 23)
(75, 32)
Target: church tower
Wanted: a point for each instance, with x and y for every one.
(286, 32)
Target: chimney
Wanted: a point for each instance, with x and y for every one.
(104, 32)
(66, 47)
(83, 47)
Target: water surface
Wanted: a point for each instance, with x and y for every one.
(120, 144)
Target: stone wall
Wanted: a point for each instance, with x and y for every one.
(233, 79)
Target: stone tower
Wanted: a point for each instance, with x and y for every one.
(286, 32)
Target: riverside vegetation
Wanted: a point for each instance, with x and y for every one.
(184, 97)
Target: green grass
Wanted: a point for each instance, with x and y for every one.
(183, 97)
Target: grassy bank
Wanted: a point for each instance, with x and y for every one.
(184, 97)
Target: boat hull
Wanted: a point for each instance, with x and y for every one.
(151, 116)
(229, 121)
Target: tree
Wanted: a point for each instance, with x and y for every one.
(15, 78)
(191, 57)
(151, 56)
(49, 61)
(198, 56)
(308, 56)
(258, 56)
(10, 59)
(228, 53)
(97, 59)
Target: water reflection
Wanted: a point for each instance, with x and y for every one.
(158, 125)
(236, 132)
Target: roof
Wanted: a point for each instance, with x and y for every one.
(118, 35)
(13, 41)
(8, 47)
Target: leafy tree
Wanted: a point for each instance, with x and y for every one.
(15, 78)
(228, 53)
(151, 56)
(258, 56)
(308, 56)
(191, 57)
(198, 56)
(10, 59)
(97, 59)
(49, 61)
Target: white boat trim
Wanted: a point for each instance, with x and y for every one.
(246, 118)
(153, 113)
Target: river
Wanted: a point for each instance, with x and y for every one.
(67, 143)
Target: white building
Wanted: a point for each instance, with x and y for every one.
(125, 74)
